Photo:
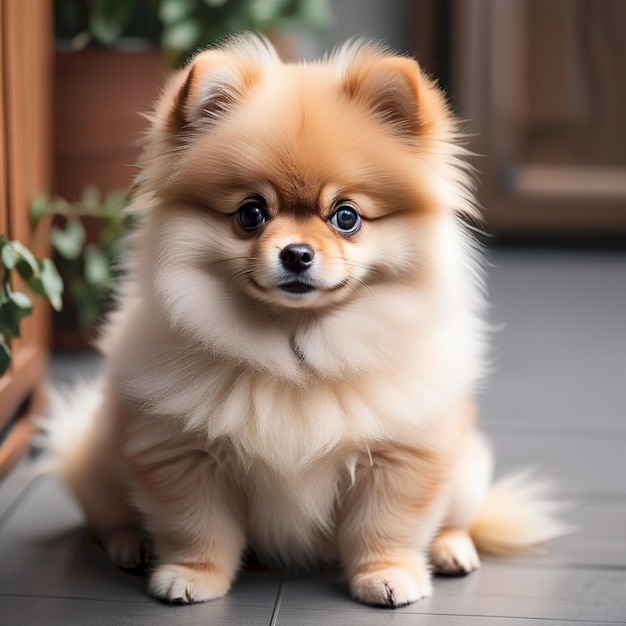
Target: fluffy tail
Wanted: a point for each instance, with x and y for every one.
(518, 515)
(63, 431)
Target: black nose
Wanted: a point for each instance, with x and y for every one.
(297, 257)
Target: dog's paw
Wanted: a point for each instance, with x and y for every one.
(127, 547)
(453, 553)
(189, 583)
(392, 587)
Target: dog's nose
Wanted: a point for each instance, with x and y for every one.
(297, 257)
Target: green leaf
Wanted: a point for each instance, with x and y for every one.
(96, 266)
(21, 302)
(182, 35)
(171, 11)
(89, 302)
(109, 18)
(52, 283)
(316, 14)
(5, 356)
(24, 269)
(114, 204)
(69, 241)
(90, 200)
(39, 207)
(25, 254)
(16, 255)
(9, 256)
(61, 206)
(264, 11)
(88, 314)
(215, 4)
(214, 32)
(16, 307)
(36, 286)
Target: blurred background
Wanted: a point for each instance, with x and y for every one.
(538, 84)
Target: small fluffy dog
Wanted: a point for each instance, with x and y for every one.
(293, 361)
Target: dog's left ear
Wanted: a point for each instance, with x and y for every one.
(395, 89)
(214, 82)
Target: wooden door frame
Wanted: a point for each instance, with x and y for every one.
(26, 42)
(487, 74)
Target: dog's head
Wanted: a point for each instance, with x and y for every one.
(308, 183)
(294, 211)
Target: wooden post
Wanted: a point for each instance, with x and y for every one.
(25, 148)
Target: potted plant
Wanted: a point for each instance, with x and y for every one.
(179, 27)
(87, 237)
(111, 59)
(41, 279)
(112, 56)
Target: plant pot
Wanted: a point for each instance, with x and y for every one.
(99, 96)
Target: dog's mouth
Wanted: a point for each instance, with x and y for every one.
(297, 287)
(297, 292)
(292, 287)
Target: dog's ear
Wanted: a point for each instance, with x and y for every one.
(209, 87)
(397, 92)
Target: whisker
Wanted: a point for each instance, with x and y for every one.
(221, 263)
(235, 276)
(363, 284)
(354, 281)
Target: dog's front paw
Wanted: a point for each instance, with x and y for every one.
(188, 583)
(392, 587)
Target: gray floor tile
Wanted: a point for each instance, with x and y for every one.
(47, 551)
(559, 357)
(29, 611)
(559, 593)
(13, 486)
(528, 592)
(377, 617)
(580, 466)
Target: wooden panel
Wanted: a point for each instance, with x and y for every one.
(566, 181)
(541, 85)
(4, 211)
(99, 95)
(26, 46)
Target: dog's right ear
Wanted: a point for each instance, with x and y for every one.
(212, 84)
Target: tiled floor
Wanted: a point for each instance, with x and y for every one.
(556, 400)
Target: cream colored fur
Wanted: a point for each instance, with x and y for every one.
(332, 425)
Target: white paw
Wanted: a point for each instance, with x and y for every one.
(393, 587)
(183, 584)
(453, 553)
(126, 547)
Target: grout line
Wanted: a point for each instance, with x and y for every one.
(279, 599)
(542, 620)
(42, 596)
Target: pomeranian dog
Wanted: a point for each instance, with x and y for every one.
(292, 364)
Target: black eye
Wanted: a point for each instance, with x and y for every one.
(252, 214)
(345, 219)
